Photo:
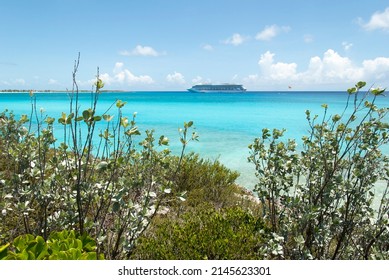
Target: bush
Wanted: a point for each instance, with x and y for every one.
(62, 245)
(206, 233)
(318, 202)
(99, 183)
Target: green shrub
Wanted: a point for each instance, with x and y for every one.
(206, 233)
(62, 245)
(105, 182)
(319, 201)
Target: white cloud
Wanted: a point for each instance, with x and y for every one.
(276, 71)
(200, 80)
(176, 77)
(122, 76)
(236, 39)
(14, 82)
(207, 47)
(378, 67)
(308, 38)
(269, 32)
(19, 81)
(141, 51)
(379, 20)
(197, 80)
(331, 69)
(52, 82)
(347, 45)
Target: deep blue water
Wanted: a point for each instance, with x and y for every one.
(226, 123)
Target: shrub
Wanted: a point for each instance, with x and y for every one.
(62, 245)
(206, 233)
(205, 180)
(318, 202)
(100, 183)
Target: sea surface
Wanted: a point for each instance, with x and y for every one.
(225, 122)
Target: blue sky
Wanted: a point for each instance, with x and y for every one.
(172, 44)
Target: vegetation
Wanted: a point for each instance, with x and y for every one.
(111, 193)
(319, 201)
(62, 245)
(205, 233)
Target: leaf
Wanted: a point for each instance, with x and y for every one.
(116, 206)
(360, 84)
(107, 118)
(120, 104)
(352, 90)
(97, 118)
(4, 251)
(167, 190)
(378, 91)
(132, 131)
(163, 141)
(124, 122)
(86, 114)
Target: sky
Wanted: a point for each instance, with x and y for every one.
(149, 45)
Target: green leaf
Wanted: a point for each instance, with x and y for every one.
(120, 104)
(4, 251)
(86, 114)
(163, 141)
(97, 118)
(116, 206)
(378, 91)
(132, 131)
(107, 118)
(124, 122)
(360, 84)
(352, 90)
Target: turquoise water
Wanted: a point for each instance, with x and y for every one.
(226, 123)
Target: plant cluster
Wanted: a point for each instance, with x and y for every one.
(205, 233)
(319, 201)
(105, 192)
(97, 182)
(64, 245)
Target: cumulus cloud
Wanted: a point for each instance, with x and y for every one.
(236, 39)
(176, 78)
(276, 71)
(378, 67)
(379, 20)
(123, 76)
(329, 69)
(141, 51)
(200, 80)
(269, 32)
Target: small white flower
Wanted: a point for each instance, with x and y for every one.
(4, 212)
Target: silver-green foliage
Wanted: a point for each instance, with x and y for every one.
(109, 189)
(320, 200)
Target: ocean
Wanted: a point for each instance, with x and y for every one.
(225, 122)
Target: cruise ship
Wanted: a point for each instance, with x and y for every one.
(217, 88)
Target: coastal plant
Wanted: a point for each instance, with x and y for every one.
(322, 201)
(102, 179)
(204, 233)
(64, 245)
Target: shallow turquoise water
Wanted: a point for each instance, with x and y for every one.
(226, 123)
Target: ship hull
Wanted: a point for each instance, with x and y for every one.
(228, 88)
